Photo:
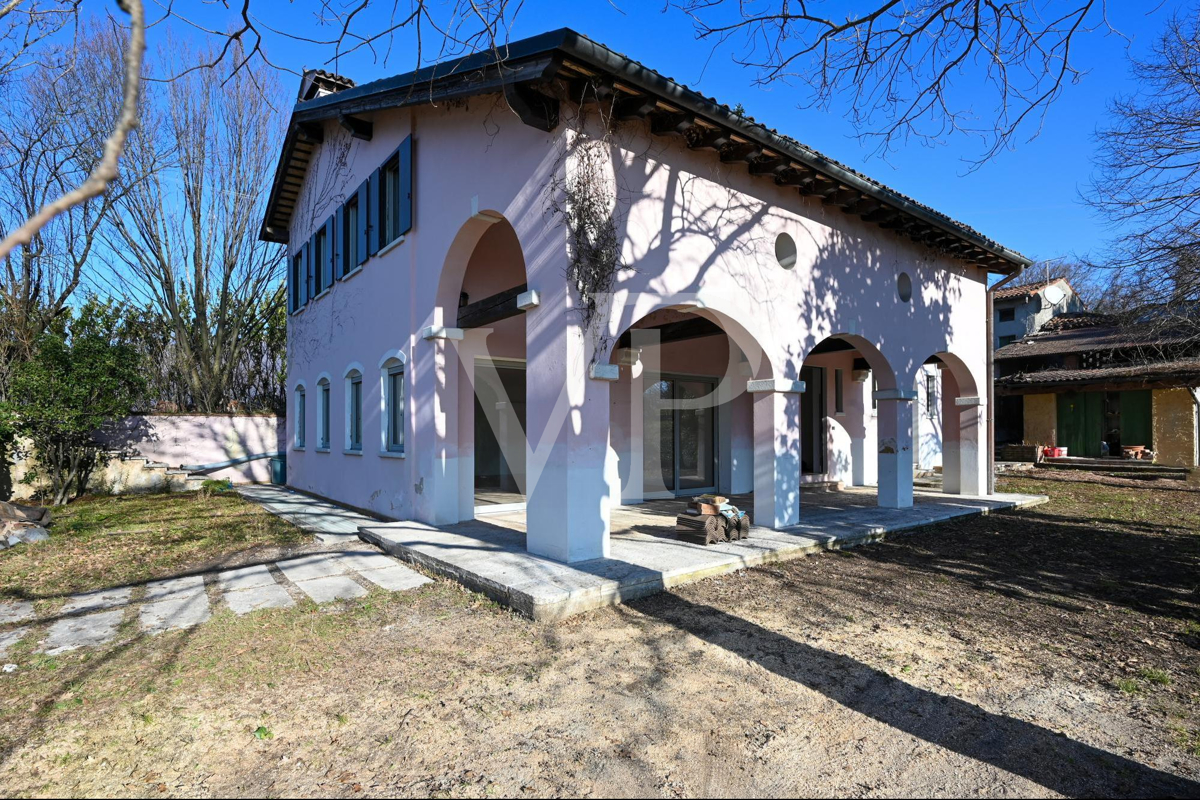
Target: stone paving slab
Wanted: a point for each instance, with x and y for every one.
(9, 638)
(489, 555)
(71, 633)
(318, 565)
(335, 587)
(186, 586)
(97, 600)
(244, 601)
(250, 577)
(16, 611)
(396, 578)
(329, 523)
(186, 611)
(365, 560)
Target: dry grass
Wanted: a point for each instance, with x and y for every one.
(100, 542)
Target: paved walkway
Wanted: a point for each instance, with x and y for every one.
(329, 523)
(95, 618)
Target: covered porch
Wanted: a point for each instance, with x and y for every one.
(489, 554)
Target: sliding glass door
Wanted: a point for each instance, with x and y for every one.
(679, 436)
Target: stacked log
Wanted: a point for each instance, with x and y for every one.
(710, 519)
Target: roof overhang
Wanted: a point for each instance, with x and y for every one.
(591, 72)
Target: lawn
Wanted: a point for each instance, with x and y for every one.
(1051, 651)
(112, 541)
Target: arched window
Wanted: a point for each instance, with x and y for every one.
(391, 376)
(301, 416)
(354, 409)
(323, 418)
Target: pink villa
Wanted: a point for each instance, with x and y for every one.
(564, 283)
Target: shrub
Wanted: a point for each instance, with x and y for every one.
(82, 376)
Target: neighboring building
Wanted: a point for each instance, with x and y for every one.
(1023, 310)
(1093, 386)
(757, 314)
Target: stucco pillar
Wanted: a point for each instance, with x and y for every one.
(569, 463)
(972, 446)
(895, 447)
(951, 470)
(776, 452)
(436, 443)
(627, 424)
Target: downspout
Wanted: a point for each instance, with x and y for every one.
(991, 381)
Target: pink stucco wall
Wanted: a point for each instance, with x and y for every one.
(196, 439)
(697, 234)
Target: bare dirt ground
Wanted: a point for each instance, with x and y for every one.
(1046, 652)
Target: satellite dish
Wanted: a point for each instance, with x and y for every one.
(1054, 294)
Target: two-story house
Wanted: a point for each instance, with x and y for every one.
(564, 281)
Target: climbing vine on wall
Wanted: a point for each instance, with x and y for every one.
(586, 201)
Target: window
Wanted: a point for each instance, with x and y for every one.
(874, 389)
(354, 408)
(1007, 339)
(300, 418)
(323, 430)
(350, 236)
(839, 399)
(320, 256)
(931, 395)
(1006, 314)
(389, 201)
(297, 279)
(904, 287)
(395, 408)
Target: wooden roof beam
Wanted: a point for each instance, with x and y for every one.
(671, 122)
(739, 151)
(636, 106)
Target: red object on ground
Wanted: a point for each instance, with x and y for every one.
(1054, 452)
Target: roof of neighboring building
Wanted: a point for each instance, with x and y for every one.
(1084, 331)
(1184, 372)
(1025, 290)
(569, 56)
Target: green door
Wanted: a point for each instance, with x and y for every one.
(1136, 418)
(1081, 423)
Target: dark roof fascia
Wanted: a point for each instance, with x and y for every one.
(565, 42)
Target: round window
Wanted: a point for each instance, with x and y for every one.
(904, 286)
(785, 251)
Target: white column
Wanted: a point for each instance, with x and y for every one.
(895, 447)
(972, 446)
(776, 452)
(569, 461)
(436, 445)
(627, 424)
(951, 471)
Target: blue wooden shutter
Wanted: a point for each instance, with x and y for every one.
(339, 242)
(406, 209)
(364, 205)
(289, 282)
(374, 212)
(309, 293)
(331, 259)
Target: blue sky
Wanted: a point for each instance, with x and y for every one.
(1028, 198)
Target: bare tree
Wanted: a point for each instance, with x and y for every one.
(915, 69)
(183, 235)
(66, 107)
(1149, 182)
(26, 26)
(333, 29)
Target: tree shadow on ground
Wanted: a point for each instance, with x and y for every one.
(1038, 754)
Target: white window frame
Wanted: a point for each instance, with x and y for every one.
(392, 363)
(300, 407)
(324, 412)
(353, 373)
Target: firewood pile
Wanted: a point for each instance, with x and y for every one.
(712, 519)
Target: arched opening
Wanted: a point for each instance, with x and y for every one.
(492, 379)
(839, 412)
(948, 426)
(683, 420)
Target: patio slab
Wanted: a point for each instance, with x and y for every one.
(645, 557)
